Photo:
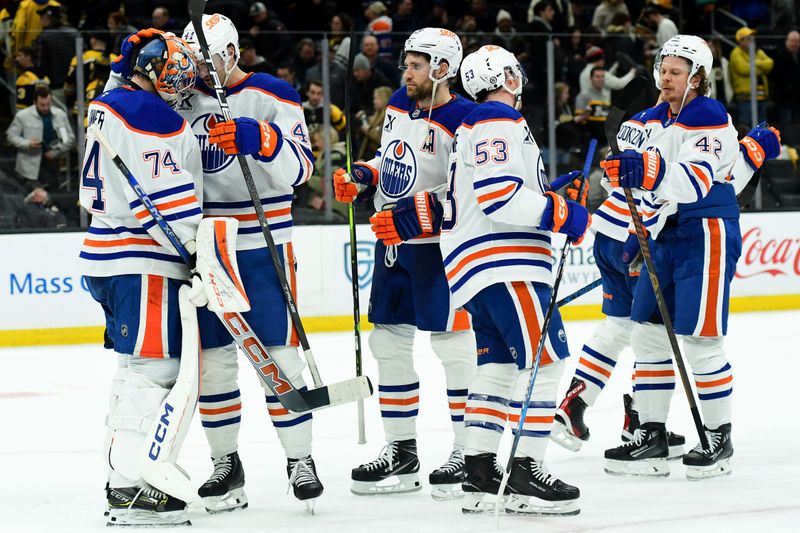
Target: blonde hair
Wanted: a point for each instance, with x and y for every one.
(384, 92)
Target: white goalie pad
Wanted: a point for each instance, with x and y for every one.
(217, 266)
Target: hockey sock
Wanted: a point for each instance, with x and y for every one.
(541, 409)
(220, 401)
(487, 406)
(456, 350)
(654, 375)
(293, 429)
(600, 354)
(713, 378)
(398, 383)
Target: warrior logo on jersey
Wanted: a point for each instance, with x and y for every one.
(389, 123)
(528, 136)
(398, 171)
(429, 145)
(186, 102)
(214, 159)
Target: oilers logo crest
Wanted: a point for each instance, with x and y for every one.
(398, 171)
(214, 159)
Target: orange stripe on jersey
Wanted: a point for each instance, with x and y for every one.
(137, 130)
(654, 373)
(250, 217)
(485, 411)
(221, 238)
(380, 26)
(461, 405)
(461, 320)
(532, 419)
(293, 340)
(700, 174)
(517, 121)
(714, 252)
(399, 401)
(531, 319)
(221, 410)
(685, 127)
(596, 368)
(120, 242)
(152, 345)
(495, 250)
(496, 194)
(177, 203)
(715, 383)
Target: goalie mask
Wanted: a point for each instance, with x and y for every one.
(167, 62)
(490, 68)
(220, 35)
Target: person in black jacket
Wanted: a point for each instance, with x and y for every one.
(56, 48)
(786, 81)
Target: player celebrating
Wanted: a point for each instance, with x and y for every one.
(131, 268)
(498, 221)
(687, 148)
(409, 288)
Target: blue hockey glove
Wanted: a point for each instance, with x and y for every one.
(760, 144)
(411, 217)
(630, 249)
(123, 63)
(565, 216)
(634, 170)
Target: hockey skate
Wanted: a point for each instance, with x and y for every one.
(224, 490)
(535, 492)
(645, 455)
(631, 424)
(394, 471)
(446, 480)
(482, 478)
(144, 507)
(714, 461)
(304, 481)
(570, 431)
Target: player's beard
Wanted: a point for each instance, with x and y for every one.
(420, 92)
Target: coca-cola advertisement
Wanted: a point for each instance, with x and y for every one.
(770, 260)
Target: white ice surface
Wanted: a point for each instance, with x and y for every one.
(53, 402)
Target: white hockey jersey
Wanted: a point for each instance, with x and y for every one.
(414, 153)
(494, 204)
(158, 147)
(261, 97)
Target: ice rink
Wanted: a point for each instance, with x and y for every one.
(53, 402)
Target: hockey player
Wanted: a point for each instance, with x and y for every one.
(131, 268)
(498, 220)
(407, 177)
(682, 152)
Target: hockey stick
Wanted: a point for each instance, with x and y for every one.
(580, 292)
(587, 165)
(267, 369)
(348, 113)
(613, 122)
(196, 9)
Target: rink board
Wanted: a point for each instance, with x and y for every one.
(44, 301)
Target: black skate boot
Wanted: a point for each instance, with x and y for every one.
(535, 492)
(395, 470)
(224, 490)
(644, 455)
(676, 441)
(714, 461)
(304, 481)
(482, 479)
(570, 431)
(446, 480)
(145, 506)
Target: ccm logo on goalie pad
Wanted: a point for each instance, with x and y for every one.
(257, 353)
(212, 281)
(161, 433)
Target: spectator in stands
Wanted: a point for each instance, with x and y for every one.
(341, 24)
(596, 58)
(543, 14)
(38, 212)
(439, 17)
(569, 134)
(604, 12)
(563, 18)
(720, 78)
(371, 127)
(27, 24)
(369, 47)
(592, 105)
(305, 58)
(380, 25)
(784, 16)
(27, 77)
(786, 81)
(96, 70)
(41, 134)
(365, 81)
(505, 29)
(119, 28)
(662, 26)
(287, 73)
(163, 22)
(270, 34)
(338, 73)
(740, 78)
(313, 108)
(404, 22)
(485, 17)
(250, 61)
(56, 47)
(319, 182)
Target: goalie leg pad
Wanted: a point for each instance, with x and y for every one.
(220, 400)
(218, 267)
(293, 429)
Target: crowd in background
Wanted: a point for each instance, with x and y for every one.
(598, 47)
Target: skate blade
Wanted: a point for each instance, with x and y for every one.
(675, 452)
(392, 485)
(140, 518)
(230, 501)
(311, 503)
(719, 469)
(642, 468)
(532, 506)
(481, 503)
(561, 436)
(443, 493)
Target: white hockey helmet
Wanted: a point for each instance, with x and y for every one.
(690, 47)
(438, 43)
(220, 34)
(489, 68)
